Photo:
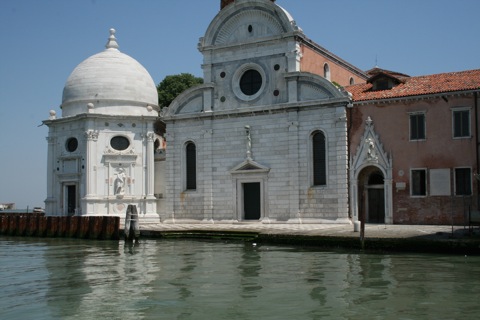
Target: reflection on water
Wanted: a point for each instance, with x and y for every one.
(164, 279)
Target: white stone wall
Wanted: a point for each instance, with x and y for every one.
(281, 142)
(282, 115)
(93, 167)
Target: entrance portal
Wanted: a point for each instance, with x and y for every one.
(376, 205)
(71, 199)
(372, 190)
(251, 201)
(375, 198)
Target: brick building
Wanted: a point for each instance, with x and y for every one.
(414, 147)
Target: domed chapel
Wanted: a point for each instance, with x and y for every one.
(101, 150)
(263, 139)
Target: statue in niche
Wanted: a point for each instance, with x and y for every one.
(371, 152)
(249, 142)
(119, 184)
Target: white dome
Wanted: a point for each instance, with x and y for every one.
(110, 82)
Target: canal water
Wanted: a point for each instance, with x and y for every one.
(188, 279)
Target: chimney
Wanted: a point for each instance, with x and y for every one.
(224, 3)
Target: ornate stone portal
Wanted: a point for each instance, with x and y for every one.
(370, 161)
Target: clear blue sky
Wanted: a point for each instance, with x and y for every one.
(42, 41)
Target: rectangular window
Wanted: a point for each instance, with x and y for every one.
(463, 181)
(461, 124)
(418, 182)
(417, 126)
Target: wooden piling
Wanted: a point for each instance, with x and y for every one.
(12, 225)
(73, 227)
(3, 223)
(30, 225)
(21, 225)
(42, 227)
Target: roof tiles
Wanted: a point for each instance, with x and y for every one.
(421, 85)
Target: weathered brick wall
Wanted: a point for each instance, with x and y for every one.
(438, 151)
(313, 62)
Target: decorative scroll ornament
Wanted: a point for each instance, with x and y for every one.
(91, 135)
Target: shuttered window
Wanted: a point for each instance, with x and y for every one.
(461, 124)
(463, 181)
(319, 159)
(191, 166)
(418, 182)
(417, 126)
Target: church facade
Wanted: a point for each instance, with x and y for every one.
(263, 138)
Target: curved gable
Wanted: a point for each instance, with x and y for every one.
(313, 87)
(190, 101)
(246, 21)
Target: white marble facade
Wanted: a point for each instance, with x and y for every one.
(240, 147)
(251, 126)
(101, 150)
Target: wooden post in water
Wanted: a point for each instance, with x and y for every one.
(12, 225)
(21, 225)
(32, 225)
(362, 229)
(42, 226)
(132, 228)
(3, 223)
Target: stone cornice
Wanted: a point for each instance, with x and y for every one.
(94, 116)
(259, 110)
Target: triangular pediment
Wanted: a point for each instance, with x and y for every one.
(370, 151)
(249, 166)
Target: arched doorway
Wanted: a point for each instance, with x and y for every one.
(372, 192)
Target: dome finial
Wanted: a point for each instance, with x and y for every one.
(112, 41)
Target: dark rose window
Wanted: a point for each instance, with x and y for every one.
(72, 144)
(251, 82)
(119, 143)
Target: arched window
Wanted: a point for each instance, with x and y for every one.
(319, 159)
(352, 81)
(326, 71)
(191, 166)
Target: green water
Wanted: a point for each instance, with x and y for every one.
(179, 279)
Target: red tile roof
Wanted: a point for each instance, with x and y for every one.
(422, 85)
(377, 70)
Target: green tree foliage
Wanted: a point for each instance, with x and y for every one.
(173, 85)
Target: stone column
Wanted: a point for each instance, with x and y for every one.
(293, 163)
(92, 137)
(171, 173)
(388, 201)
(150, 172)
(51, 177)
(205, 151)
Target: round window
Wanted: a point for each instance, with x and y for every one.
(250, 82)
(72, 144)
(120, 143)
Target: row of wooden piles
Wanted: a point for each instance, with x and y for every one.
(39, 225)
